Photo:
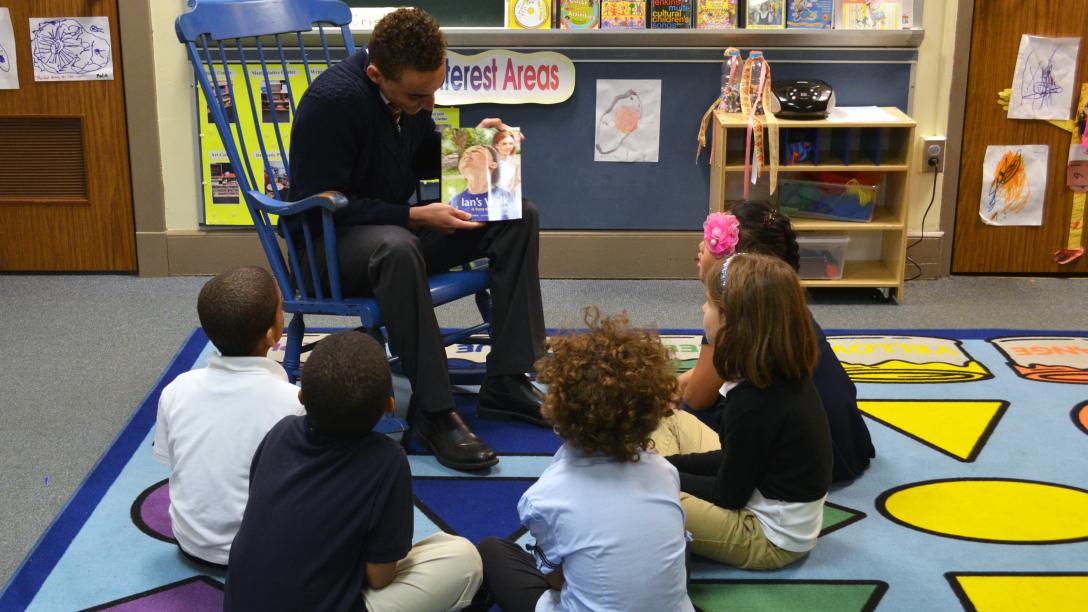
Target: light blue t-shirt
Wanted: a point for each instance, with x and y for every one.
(616, 528)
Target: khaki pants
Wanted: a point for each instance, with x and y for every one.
(441, 572)
(733, 537)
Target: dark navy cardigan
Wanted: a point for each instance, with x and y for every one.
(344, 139)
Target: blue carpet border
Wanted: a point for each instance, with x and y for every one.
(50, 547)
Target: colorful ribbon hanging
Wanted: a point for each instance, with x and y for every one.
(751, 102)
(727, 100)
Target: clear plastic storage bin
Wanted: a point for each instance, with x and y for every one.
(822, 257)
(851, 201)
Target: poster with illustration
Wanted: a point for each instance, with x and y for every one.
(9, 73)
(1013, 184)
(628, 125)
(871, 15)
(71, 48)
(1045, 78)
(481, 172)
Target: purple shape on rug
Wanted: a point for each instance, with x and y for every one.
(155, 511)
(188, 595)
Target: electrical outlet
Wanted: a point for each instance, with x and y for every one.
(932, 149)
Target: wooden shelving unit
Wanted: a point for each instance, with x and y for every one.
(883, 147)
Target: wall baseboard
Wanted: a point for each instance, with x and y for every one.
(563, 254)
(927, 254)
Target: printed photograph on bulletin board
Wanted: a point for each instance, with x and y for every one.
(223, 205)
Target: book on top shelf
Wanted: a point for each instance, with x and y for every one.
(871, 15)
(766, 15)
(579, 14)
(623, 14)
(811, 14)
(670, 14)
(481, 172)
(715, 14)
(529, 14)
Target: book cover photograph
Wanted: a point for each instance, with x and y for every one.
(481, 172)
(579, 14)
(811, 14)
(871, 15)
(623, 14)
(766, 14)
(670, 14)
(529, 14)
(716, 14)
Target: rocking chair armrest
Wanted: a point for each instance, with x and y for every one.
(331, 201)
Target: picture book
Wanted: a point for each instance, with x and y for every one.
(529, 14)
(670, 14)
(871, 15)
(766, 15)
(811, 14)
(579, 14)
(623, 14)
(715, 14)
(481, 172)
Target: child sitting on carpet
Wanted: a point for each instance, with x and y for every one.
(211, 420)
(754, 497)
(605, 514)
(329, 520)
(755, 227)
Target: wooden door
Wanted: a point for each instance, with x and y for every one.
(995, 38)
(65, 188)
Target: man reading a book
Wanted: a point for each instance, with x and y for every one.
(364, 128)
(482, 197)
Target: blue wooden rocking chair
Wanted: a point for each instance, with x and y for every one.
(270, 35)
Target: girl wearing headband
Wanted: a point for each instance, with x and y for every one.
(761, 229)
(754, 497)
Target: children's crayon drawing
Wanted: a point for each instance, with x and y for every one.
(1045, 78)
(1013, 184)
(9, 75)
(628, 120)
(71, 48)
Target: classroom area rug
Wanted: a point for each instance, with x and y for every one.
(977, 499)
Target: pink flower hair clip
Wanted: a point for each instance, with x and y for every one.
(721, 232)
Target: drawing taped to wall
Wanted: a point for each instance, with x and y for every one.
(628, 120)
(1045, 78)
(71, 48)
(1013, 184)
(9, 74)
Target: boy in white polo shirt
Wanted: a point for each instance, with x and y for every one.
(211, 420)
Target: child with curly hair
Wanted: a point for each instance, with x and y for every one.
(605, 514)
(755, 227)
(754, 497)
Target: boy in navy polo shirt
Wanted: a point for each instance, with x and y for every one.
(329, 520)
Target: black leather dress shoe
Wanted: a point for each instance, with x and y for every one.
(510, 397)
(453, 443)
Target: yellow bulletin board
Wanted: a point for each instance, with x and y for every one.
(222, 197)
(223, 203)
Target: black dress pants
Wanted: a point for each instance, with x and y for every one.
(392, 263)
(511, 577)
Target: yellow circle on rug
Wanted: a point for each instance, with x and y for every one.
(993, 510)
